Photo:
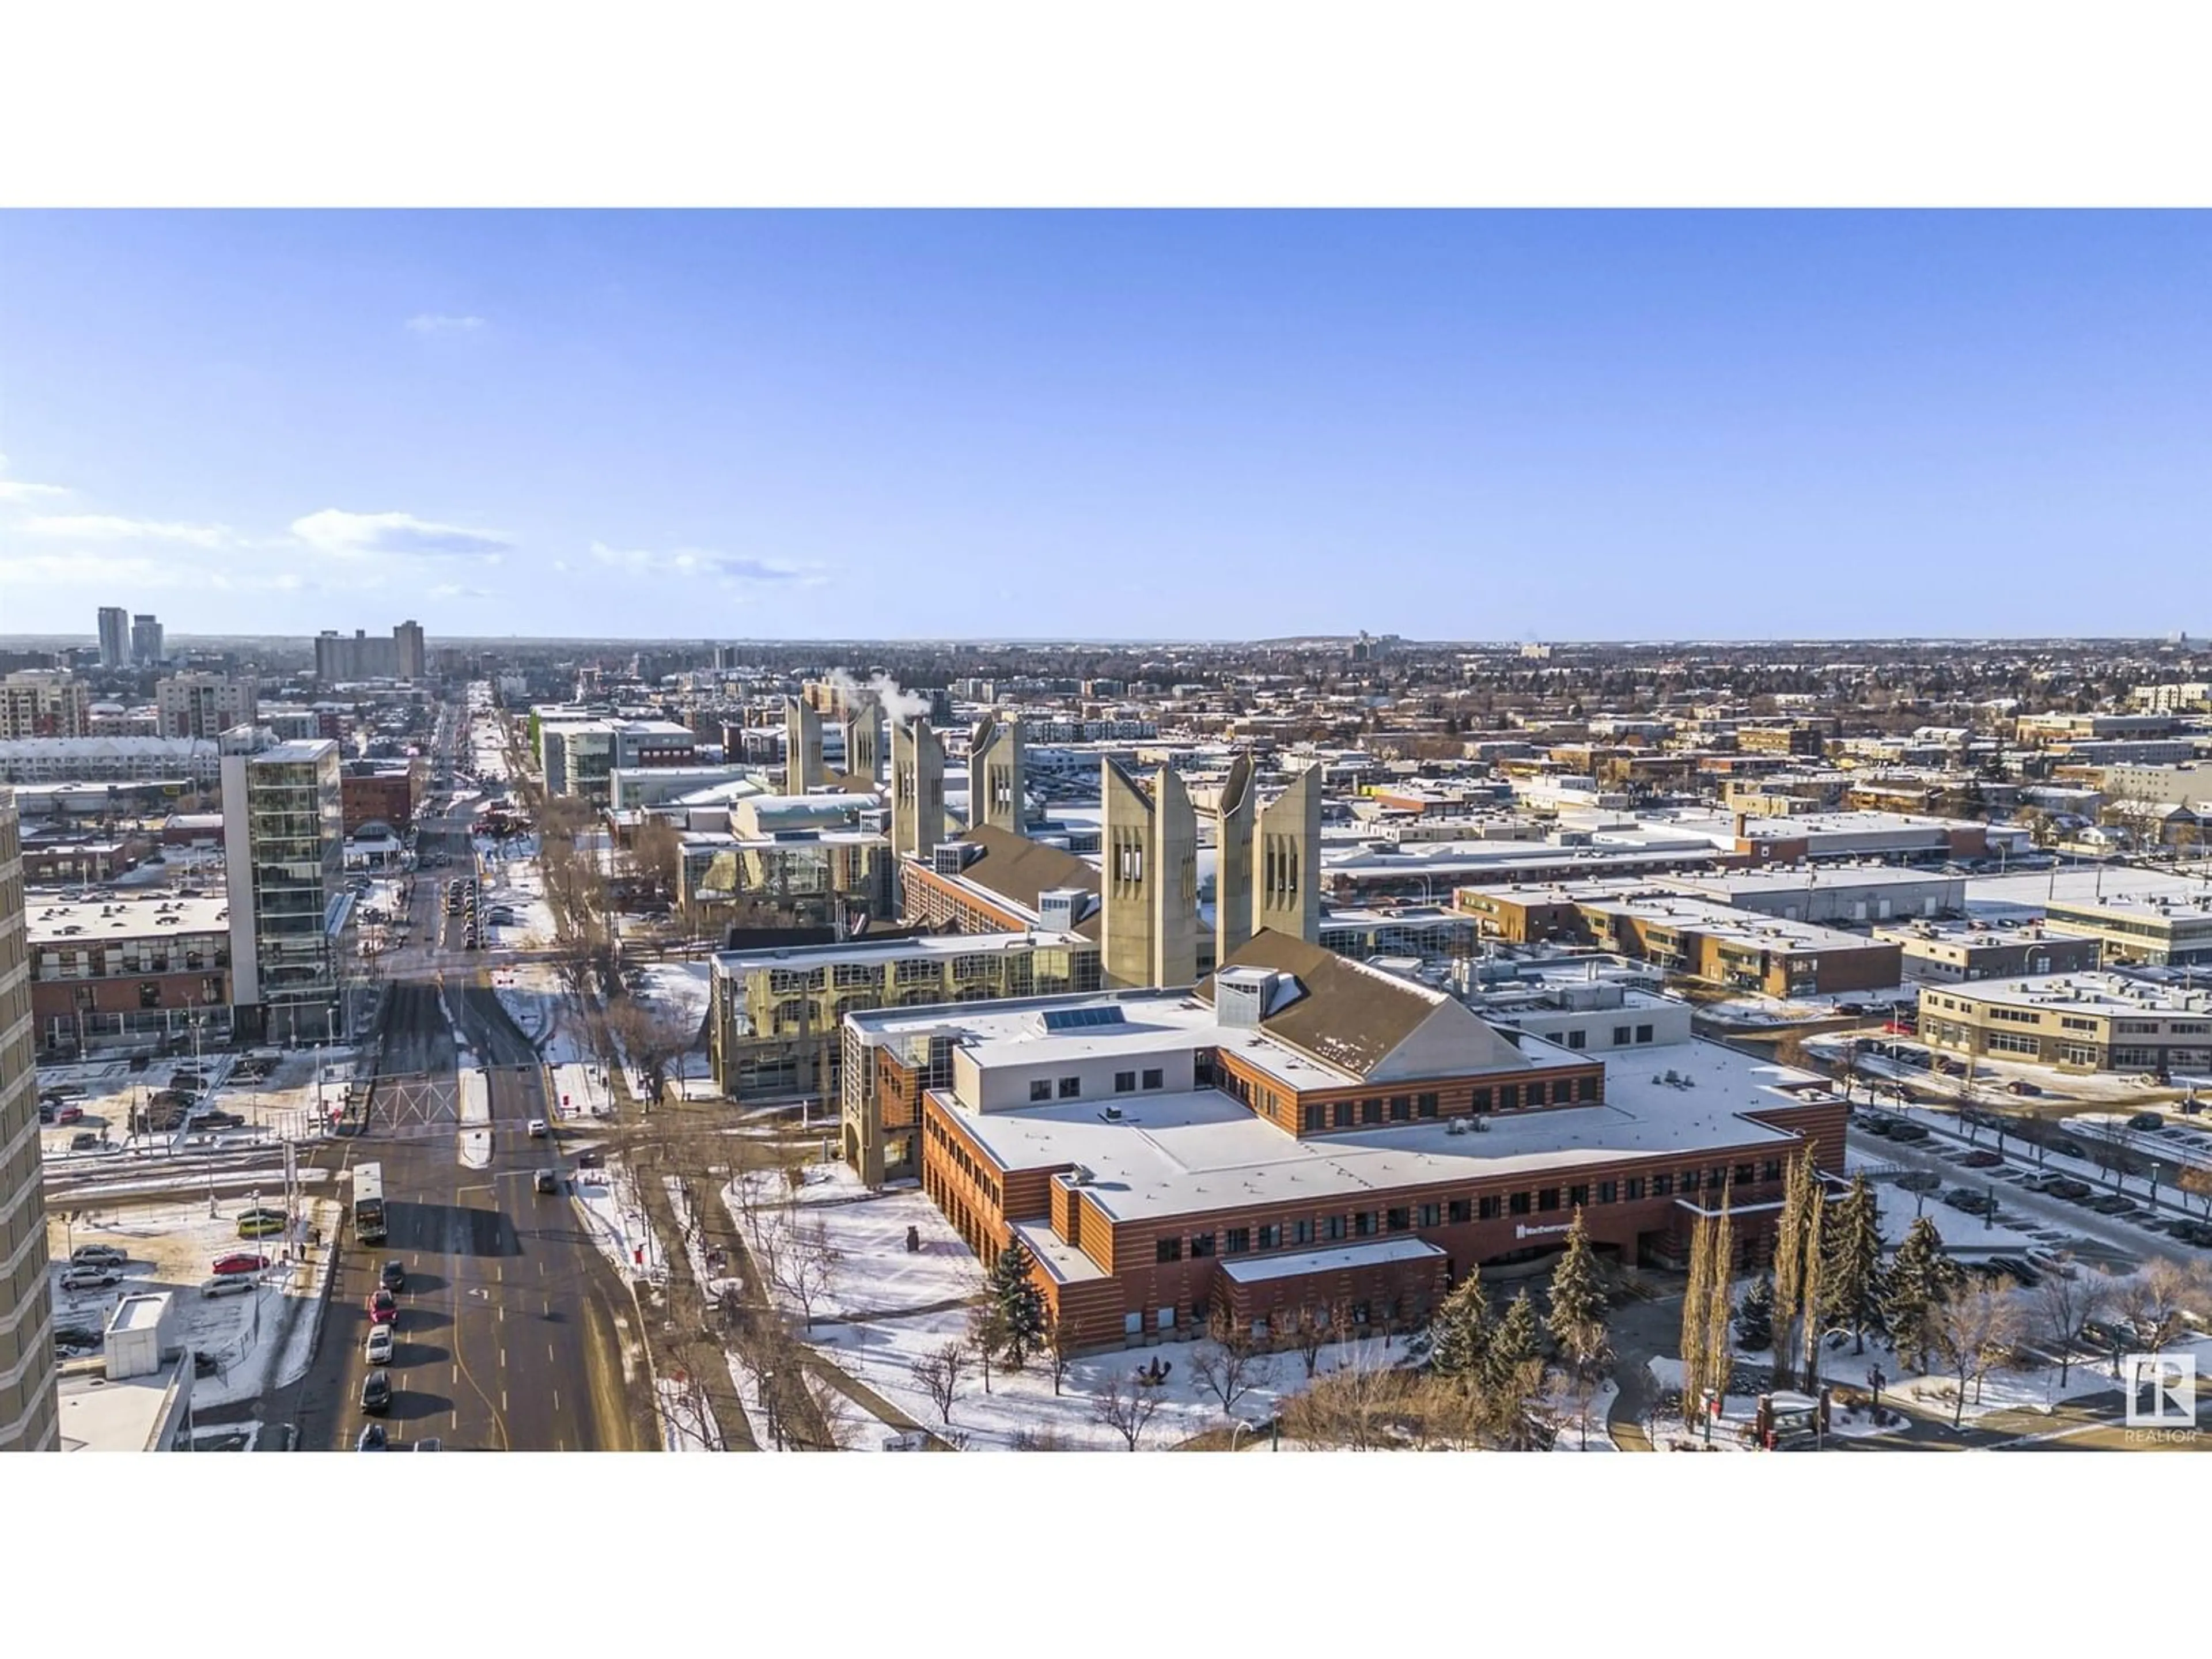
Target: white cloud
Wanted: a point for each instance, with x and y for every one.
(434, 322)
(21, 490)
(101, 571)
(729, 569)
(455, 591)
(377, 535)
(108, 528)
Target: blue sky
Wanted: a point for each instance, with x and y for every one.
(1196, 425)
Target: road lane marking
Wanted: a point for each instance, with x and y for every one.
(502, 1359)
(549, 1354)
(556, 1400)
(502, 1402)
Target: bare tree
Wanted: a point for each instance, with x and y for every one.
(937, 1374)
(1059, 1341)
(1127, 1407)
(839, 1421)
(1364, 1404)
(2196, 1181)
(1308, 1335)
(1976, 1327)
(2069, 1298)
(987, 1334)
(809, 1268)
(653, 1040)
(2158, 1302)
(1230, 1364)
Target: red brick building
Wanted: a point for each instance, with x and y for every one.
(1304, 1132)
(373, 794)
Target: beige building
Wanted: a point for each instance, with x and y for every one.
(2097, 1021)
(28, 1419)
(205, 705)
(45, 702)
(917, 790)
(997, 777)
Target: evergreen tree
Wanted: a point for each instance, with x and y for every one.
(1921, 1277)
(1512, 1345)
(1460, 1331)
(1754, 1316)
(1851, 1276)
(1577, 1321)
(1017, 1304)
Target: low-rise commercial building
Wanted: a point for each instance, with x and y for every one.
(2099, 1022)
(1949, 953)
(2156, 927)
(1829, 893)
(774, 1014)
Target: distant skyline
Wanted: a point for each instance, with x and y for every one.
(1480, 426)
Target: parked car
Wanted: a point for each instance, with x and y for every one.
(1920, 1181)
(372, 1439)
(2021, 1085)
(98, 1255)
(2146, 1120)
(431, 1444)
(68, 1115)
(90, 1279)
(1908, 1131)
(226, 1285)
(378, 1350)
(219, 1121)
(240, 1262)
(259, 1225)
(589, 1159)
(2070, 1149)
(394, 1276)
(2068, 1187)
(84, 1140)
(2113, 1204)
(1982, 1158)
(383, 1306)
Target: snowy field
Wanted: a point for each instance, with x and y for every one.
(262, 1339)
(861, 1328)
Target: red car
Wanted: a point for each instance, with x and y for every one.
(383, 1307)
(240, 1264)
(70, 1115)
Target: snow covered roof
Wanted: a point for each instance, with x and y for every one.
(1257, 1269)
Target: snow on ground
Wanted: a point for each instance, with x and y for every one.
(616, 1220)
(1990, 1076)
(680, 990)
(709, 1282)
(867, 1335)
(752, 1403)
(1564, 1409)
(687, 1425)
(474, 1145)
(261, 1340)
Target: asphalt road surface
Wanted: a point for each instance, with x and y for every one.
(513, 1334)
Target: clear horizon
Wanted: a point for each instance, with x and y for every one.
(1664, 427)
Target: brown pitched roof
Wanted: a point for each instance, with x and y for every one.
(1017, 869)
(1351, 1016)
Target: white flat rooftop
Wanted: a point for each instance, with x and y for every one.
(1170, 1154)
(2085, 992)
(1257, 1269)
(153, 915)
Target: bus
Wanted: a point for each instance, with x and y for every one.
(368, 1203)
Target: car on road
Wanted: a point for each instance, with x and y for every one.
(90, 1279)
(240, 1262)
(431, 1444)
(378, 1350)
(589, 1158)
(547, 1180)
(218, 1120)
(539, 1128)
(98, 1255)
(226, 1285)
(383, 1306)
(372, 1439)
(394, 1276)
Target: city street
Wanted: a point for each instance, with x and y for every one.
(512, 1333)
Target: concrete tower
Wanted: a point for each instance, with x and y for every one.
(917, 789)
(1232, 868)
(995, 781)
(1286, 861)
(29, 1409)
(1148, 932)
(860, 718)
(802, 747)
